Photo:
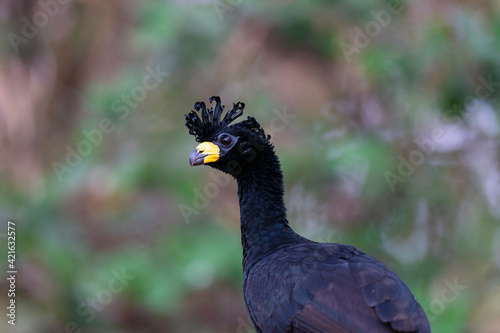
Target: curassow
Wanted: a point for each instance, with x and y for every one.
(290, 283)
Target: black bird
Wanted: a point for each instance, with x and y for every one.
(290, 283)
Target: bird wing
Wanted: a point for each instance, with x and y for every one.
(337, 288)
(353, 292)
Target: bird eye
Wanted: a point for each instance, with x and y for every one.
(226, 140)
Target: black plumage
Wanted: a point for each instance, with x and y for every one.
(290, 283)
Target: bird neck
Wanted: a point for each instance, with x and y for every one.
(264, 226)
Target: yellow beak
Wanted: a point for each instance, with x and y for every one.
(206, 152)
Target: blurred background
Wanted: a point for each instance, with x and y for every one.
(384, 115)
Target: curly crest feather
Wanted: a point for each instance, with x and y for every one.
(210, 123)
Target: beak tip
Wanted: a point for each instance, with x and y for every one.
(206, 152)
(195, 158)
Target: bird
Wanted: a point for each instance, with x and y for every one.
(291, 283)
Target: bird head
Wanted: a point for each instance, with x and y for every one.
(229, 148)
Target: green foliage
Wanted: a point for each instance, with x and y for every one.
(118, 207)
